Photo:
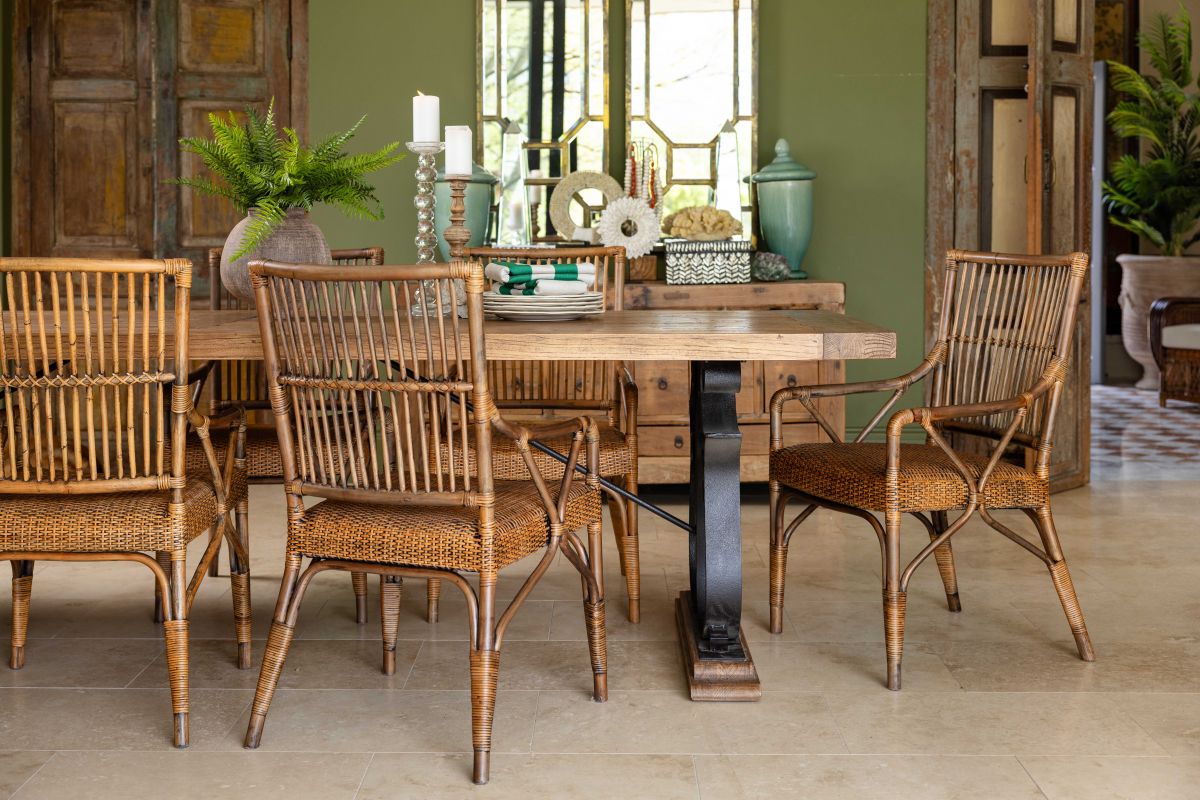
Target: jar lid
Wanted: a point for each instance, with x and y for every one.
(479, 175)
(783, 168)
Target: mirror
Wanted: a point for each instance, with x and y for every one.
(541, 65)
(692, 91)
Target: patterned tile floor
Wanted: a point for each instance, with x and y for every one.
(995, 704)
(1131, 431)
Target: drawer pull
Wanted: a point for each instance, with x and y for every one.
(678, 442)
(662, 384)
(791, 381)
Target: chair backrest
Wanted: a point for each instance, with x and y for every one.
(577, 385)
(243, 382)
(1005, 330)
(84, 362)
(357, 380)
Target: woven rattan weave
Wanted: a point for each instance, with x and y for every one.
(347, 339)
(598, 387)
(996, 374)
(92, 441)
(244, 384)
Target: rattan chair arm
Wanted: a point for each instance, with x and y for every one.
(932, 414)
(526, 430)
(588, 443)
(1170, 311)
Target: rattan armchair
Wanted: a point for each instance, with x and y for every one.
(996, 373)
(1175, 343)
(92, 456)
(228, 384)
(547, 388)
(408, 385)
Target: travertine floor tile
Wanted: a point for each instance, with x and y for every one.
(1114, 777)
(605, 777)
(18, 766)
(67, 663)
(1172, 719)
(668, 722)
(839, 777)
(987, 723)
(281, 776)
(785, 666)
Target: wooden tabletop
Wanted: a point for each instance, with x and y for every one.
(667, 335)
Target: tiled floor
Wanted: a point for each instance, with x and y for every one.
(995, 704)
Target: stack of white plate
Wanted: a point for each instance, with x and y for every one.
(542, 308)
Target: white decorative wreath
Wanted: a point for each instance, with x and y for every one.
(631, 223)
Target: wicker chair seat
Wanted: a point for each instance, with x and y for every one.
(437, 536)
(616, 457)
(125, 521)
(853, 475)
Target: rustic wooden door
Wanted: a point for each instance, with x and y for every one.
(103, 89)
(1009, 154)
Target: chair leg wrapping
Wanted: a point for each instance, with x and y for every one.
(433, 594)
(894, 604)
(778, 577)
(1070, 603)
(598, 647)
(163, 557)
(175, 634)
(485, 672)
(240, 583)
(278, 642)
(630, 558)
(22, 590)
(390, 590)
(358, 580)
(944, 556)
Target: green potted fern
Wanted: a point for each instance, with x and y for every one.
(1157, 196)
(275, 180)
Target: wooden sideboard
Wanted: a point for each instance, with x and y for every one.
(663, 385)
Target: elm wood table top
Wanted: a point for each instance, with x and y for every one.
(649, 335)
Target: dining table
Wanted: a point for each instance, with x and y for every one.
(717, 660)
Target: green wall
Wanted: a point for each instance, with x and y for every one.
(844, 82)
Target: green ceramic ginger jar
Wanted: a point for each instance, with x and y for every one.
(785, 206)
(478, 199)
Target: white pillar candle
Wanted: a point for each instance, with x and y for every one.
(458, 150)
(426, 118)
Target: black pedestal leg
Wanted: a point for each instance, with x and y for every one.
(716, 657)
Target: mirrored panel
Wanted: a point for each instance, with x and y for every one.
(691, 71)
(541, 65)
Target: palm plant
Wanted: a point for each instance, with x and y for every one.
(1158, 197)
(265, 173)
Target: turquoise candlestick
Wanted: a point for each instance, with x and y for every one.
(785, 206)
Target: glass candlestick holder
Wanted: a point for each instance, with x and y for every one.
(426, 301)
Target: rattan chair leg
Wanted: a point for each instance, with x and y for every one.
(22, 589)
(485, 671)
(164, 560)
(894, 600)
(433, 595)
(214, 568)
(279, 640)
(390, 590)
(359, 581)
(778, 569)
(240, 583)
(593, 612)
(944, 556)
(619, 515)
(1063, 584)
(631, 557)
(175, 635)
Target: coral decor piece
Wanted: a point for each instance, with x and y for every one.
(701, 224)
(629, 222)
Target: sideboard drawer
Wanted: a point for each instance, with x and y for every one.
(674, 440)
(663, 389)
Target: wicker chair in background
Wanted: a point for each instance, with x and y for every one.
(399, 383)
(92, 462)
(601, 387)
(997, 369)
(243, 383)
(1175, 343)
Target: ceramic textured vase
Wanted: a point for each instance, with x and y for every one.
(297, 240)
(785, 206)
(478, 199)
(1145, 279)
